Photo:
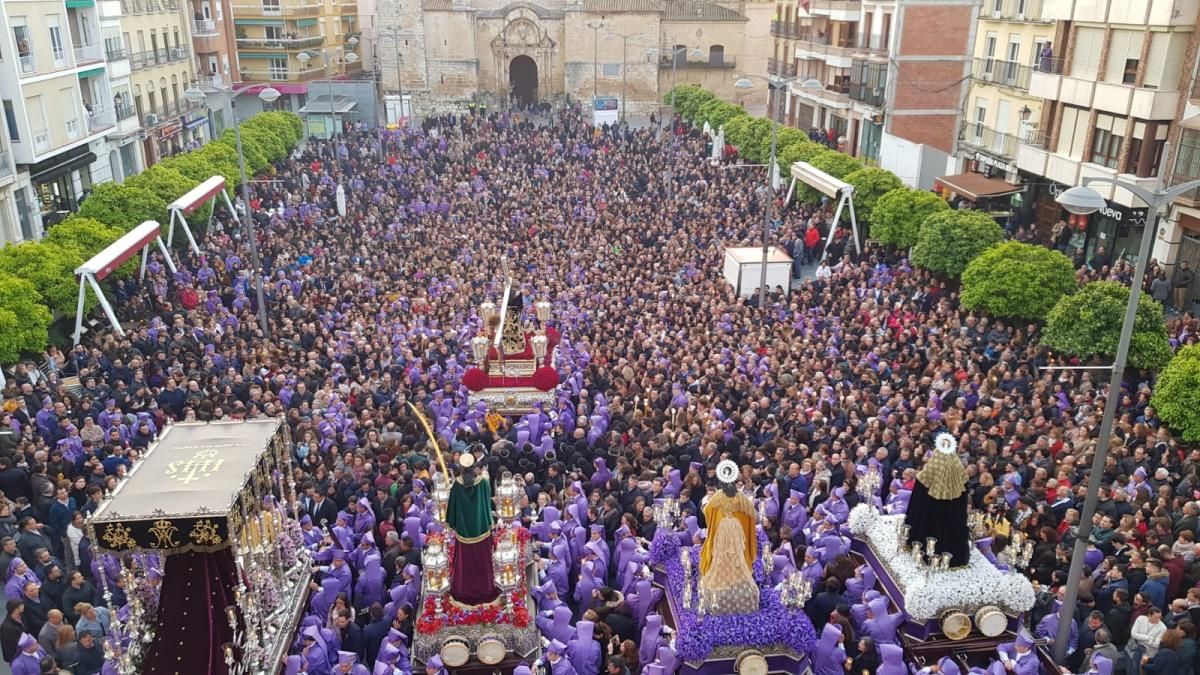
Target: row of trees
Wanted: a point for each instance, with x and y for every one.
(37, 279)
(1003, 279)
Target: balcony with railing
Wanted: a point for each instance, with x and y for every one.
(6, 165)
(784, 29)
(1024, 11)
(204, 28)
(99, 120)
(1003, 73)
(985, 138)
(116, 54)
(27, 64)
(178, 54)
(835, 95)
(713, 61)
(279, 8)
(211, 81)
(826, 46)
(1187, 165)
(124, 112)
(149, 6)
(143, 59)
(284, 75)
(306, 42)
(876, 46)
(85, 54)
(827, 7)
(781, 67)
(866, 93)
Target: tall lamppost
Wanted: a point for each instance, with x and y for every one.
(773, 83)
(266, 95)
(394, 39)
(624, 65)
(595, 26)
(1083, 200)
(695, 53)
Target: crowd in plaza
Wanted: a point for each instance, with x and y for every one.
(665, 372)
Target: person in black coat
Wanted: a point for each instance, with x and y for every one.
(374, 633)
(36, 608)
(351, 634)
(11, 629)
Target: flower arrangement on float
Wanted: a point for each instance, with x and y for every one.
(509, 608)
(927, 594)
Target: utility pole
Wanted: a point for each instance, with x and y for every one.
(624, 69)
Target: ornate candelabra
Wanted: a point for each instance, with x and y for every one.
(795, 591)
(925, 557)
(507, 498)
(506, 565)
(538, 344)
(542, 308)
(666, 513)
(479, 348)
(1018, 553)
(868, 486)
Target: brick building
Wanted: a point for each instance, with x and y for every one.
(928, 78)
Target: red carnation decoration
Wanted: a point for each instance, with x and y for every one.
(475, 379)
(544, 378)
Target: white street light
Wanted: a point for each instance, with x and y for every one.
(1081, 200)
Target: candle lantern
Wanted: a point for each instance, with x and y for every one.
(436, 568)
(505, 566)
(543, 312)
(507, 497)
(441, 496)
(487, 310)
(479, 348)
(538, 343)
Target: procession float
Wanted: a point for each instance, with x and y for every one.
(202, 537)
(931, 567)
(719, 599)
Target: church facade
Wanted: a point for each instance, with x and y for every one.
(442, 54)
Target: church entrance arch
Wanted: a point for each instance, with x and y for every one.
(523, 78)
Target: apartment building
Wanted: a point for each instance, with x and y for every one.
(59, 108)
(843, 44)
(1012, 40)
(157, 35)
(290, 43)
(214, 40)
(1113, 97)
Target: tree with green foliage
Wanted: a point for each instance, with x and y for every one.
(123, 206)
(88, 235)
(1177, 394)
(1016, 280)
(1088, 323)
(797, 151)
(897, 215)
(256, 159)
(51, 270)
(24, 320)
(688, 100)
(717, 113)
(870, 184)
(949, 240)
(273, 140)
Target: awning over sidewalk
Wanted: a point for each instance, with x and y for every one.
(976, 186)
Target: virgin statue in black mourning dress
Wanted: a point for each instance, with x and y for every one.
(938, 507)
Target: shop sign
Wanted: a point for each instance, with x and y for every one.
(988, 160)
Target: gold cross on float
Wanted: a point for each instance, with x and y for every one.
(202, 464)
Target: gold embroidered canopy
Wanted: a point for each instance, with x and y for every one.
(196, 484)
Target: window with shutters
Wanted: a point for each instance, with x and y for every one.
(1164, 61)
(1072, 134)
(1107, 139)
(1124, 52)
(1146, 147)
(1085, 59)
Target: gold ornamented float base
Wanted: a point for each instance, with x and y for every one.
(514, 400)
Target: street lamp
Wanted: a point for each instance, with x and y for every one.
(595, 57)
(624, 65)
(394, 39)
(266, 95)
(745, 83)
(1083, 200)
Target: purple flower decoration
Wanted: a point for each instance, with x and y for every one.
(773, 624)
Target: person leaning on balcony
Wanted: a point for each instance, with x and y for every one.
(1047, 58)
(1182, 283)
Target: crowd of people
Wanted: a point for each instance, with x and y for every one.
(665, 372)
